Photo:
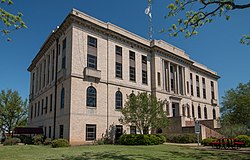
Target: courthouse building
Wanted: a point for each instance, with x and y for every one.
(81, 76)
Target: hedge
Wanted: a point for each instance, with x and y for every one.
(141, 139)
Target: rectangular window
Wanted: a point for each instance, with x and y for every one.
(118, 131)
(132, 129)
(144, 77)
(118, 70)
(90, 132)
(46, 105)
(172, 78)
(92, 61)
(212, 90)
(144, 70)
(35, 110)
(45, 131)
(64, 44)
(159, 78)
(52, 67)
(49, 131)
(44, 73)
(42, 106)
(92, 41)
(48, 67)
(204, 88)
(118, 50)
(51, 103)
(197, 86)
(188, 87)
(132, 55)
(31, 112)
(191, 84)
(132, 73)
(61, 131)
(38, 110)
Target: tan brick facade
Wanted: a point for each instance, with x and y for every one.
(62, 63)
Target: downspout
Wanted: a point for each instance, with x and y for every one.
(55, 94)
(107, 78)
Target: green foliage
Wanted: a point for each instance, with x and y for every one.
(144, 111)
(232, 130)
(28, 140)
(141, 139)
(245, 39)
(11, 141)
(38, 139)
(60, 143)
(9, 21)
(199, 13)
(181, 138)
(100, 142)
(207, 141)
(47, 141)
(13, 110)
(236, 106)
(245, 139)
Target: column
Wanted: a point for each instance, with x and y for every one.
(169, 81)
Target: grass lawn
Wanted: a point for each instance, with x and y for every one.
(116, 152)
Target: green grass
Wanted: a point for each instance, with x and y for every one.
(115, 152)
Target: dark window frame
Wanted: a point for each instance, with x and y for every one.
(88, 132)
(92, 41)
(62, 102)
(118, 70)
(91, 96)
(118, 100)
(91, 61)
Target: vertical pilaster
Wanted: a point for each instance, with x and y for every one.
(177, 87)
(169, 81)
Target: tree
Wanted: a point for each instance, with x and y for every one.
(145, 112)
(201, 12)
(10, 21)
(236, 107)
(13, 110)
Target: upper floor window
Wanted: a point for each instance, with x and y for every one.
(132, 75)
(144, 59)
(197, 86)
(64, 44)
(159, 78)
(144, 70)
(199, 111)
(92, 41)
(214, 114)
(118, 100)
(193, 111)
(92, 61)
(204, 88)
(212, 90)
(191, 84)
(91, 97)
(205, 112)
(51, 103)
(62, 97)
(118, 70)
(144, 77)
(131, 55)
(118, 50)
(172, 78)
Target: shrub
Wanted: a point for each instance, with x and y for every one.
(245, 139)
(60, 143)
(47, 141)
(28, 140)
(11, 141)
(141, 139)
(38, 139)
(162, 138)
(207, 141)
(181, 138)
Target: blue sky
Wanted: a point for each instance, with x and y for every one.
(217, 45)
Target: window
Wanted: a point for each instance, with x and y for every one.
(91, 97)
(204, 88)
(45, 131)
(188, 111)
(53, 62)
(63, 62)
(61, 131)
(192, 110)
(212, 90)
(183, 110)
(199, 111)
(38, 110)
(44, 72)
(31, 112)
(92, 41)
(132, 73)
(159, 78)
(51, 103)
(92, 61)
(46, 105)
(62, 97)
(48, 67)
(35, 110)
(64, 54)
(118, 70)
(42, 107)
(132, 55)
(197, 86)
(191, 84)
(173, 110)
(118, 100)
(144, 70)
(144, 77)
(49, 131)
(118, 131)
(205, 112)
(188, 87)
(64, 44)
(132, 129)
(90, 132)
(214, 114)
(118, 50)
(172, 78)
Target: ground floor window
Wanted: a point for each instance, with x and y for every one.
(61, 131)
(49, 131)
(132, 129)
(118, 131)
(90, 132)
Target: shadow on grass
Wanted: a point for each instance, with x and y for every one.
(108, 155)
